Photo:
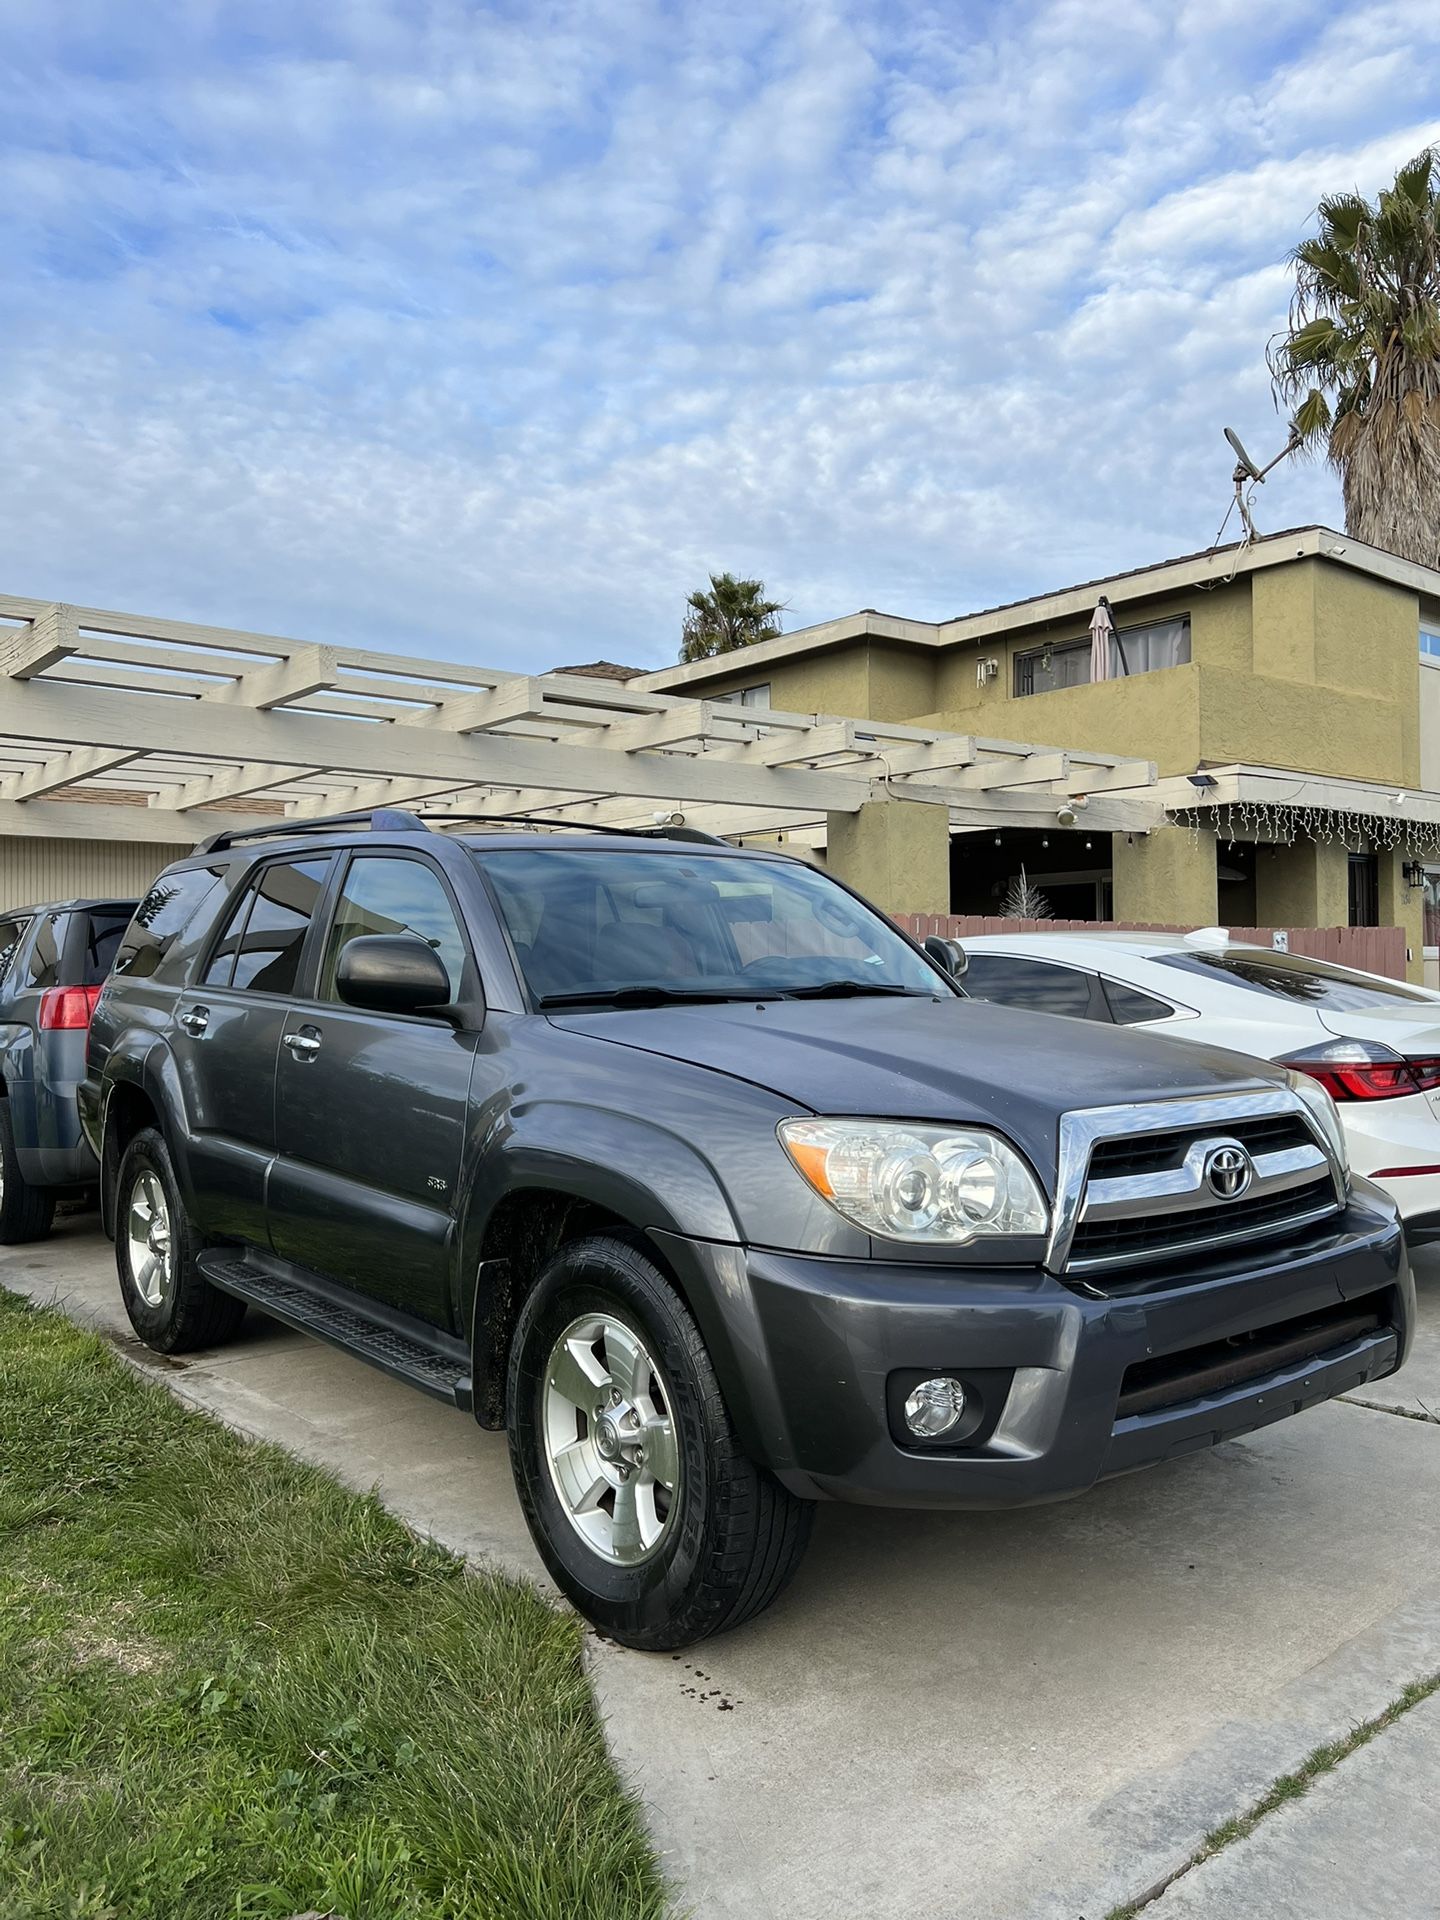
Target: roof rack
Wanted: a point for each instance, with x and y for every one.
(661, 831)
(401, 820)
(378, 819)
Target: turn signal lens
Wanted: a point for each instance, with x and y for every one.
(1364, 1070)
(71, 1007)
(941, 1185)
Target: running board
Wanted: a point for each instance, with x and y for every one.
(417, 1357)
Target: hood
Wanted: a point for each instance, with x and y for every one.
(921, 1059)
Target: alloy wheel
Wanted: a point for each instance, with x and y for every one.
(150, 1240)
(608, 1431)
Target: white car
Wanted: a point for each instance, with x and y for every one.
(1373, 1043)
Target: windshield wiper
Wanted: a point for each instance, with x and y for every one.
(843, 989)
(653, 996)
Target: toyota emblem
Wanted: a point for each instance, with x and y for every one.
(1228, 1171)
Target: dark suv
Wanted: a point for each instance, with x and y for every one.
(688, 1168)
(53, 960)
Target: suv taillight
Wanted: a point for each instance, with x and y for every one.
(1363, 1070)
(67, 1007)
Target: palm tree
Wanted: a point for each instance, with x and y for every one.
(1362, 357)
(734, 613)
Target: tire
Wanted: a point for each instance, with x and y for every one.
(172, 1306)
(26, 1212)
(696, 1555)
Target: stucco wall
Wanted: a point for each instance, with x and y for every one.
(1307, 665)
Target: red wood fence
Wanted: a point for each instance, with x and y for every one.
(1373, 949)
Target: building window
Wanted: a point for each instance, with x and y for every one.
(1430, 643)
(1364, 890)
(747, 696)
(1164, 643)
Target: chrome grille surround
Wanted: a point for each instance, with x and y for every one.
(1176, 1190)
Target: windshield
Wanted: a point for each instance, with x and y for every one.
(592, 924)
(1290, 976)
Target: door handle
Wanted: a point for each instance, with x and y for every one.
(303, 1046)
(195, 1020)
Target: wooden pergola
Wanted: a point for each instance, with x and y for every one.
(169, 731)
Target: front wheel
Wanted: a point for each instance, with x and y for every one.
(645, 1510)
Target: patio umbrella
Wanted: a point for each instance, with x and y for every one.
(1102, 633)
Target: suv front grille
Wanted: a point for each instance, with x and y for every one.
(1139, 1187)
(1157, 1152)
(1172, 1236)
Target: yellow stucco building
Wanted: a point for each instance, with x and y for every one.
(1288, 691)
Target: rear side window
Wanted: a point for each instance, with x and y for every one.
(162, 916)
(104, 928)
(263, 938)
(1038, 985)
(12, 932)
(1128, 1006)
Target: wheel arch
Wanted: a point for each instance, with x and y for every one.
(522, 1232)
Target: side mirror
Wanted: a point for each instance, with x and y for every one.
(948, 954)
(392, 973)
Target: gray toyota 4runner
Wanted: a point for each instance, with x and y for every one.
(687, 1168)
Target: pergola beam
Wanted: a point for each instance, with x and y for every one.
(85, 716)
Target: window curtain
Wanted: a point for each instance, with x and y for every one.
(1147, 649)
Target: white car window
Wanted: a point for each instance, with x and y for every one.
(1129, 1006)
(1289, 976)
(1041, 986)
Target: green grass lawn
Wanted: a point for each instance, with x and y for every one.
(230, 1688)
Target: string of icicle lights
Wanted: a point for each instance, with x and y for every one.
(1279, 821)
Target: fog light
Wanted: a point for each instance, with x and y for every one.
(934, 1407)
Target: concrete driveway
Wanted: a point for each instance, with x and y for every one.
(974, 1717)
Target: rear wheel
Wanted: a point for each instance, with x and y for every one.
(645, 1510)
(172, 1306)
(25, 1211)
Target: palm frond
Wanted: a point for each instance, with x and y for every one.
(1359, 361)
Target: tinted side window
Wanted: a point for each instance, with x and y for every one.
(162, 916)
(44, 969)
(266, 931)
(1128, 1005)
(1036, 984)
(12, 932)
(388, 895)
(95, 956)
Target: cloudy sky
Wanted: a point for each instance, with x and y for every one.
(487, 330)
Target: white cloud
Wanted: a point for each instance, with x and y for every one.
(488, 331)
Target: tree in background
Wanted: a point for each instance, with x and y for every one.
(734, 613)
(1361, 355)
(1024, 900)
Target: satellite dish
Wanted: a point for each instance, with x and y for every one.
(1240, 454)
(1246, 471)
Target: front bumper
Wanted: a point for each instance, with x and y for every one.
(806, 1350)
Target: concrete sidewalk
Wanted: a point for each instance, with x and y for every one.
(949, 1717)
(1363, 1841)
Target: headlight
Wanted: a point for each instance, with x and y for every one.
(940, 1185)
(1322, 1107)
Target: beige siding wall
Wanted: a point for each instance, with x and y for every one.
(35, 870)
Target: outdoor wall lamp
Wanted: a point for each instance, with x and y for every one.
(1413, 874)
